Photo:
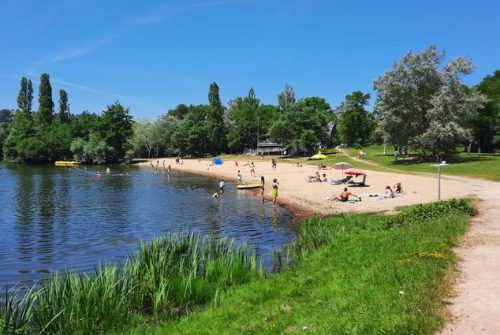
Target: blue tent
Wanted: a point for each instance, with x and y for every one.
(217, 161)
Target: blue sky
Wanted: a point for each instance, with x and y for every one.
(153, 55)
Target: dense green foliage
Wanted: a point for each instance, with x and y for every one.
(486, 123)
(355, 124)
(352, 275)
(425, 107)
(198, 130)
(419, 213)
(167, 278)
(42, 137)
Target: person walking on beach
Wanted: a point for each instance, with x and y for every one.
(252, 169)
(273, 162)
(276, 185)
(262, 183)
(238, 177)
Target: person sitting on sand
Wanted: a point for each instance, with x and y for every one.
(323, 178)
(389, 193)
(314, 179)
(398, 189)
(344, 196)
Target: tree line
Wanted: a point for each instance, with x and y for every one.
(421, 104)
(45, 136)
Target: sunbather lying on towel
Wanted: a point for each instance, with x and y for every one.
(345, 180)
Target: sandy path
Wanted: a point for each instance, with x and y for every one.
(476, 307)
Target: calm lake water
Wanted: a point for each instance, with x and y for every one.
(55, 219)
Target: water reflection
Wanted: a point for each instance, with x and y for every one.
(53, 219)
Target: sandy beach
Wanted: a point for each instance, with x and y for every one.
(300, 195)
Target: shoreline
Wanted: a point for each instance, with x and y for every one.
(306, 199)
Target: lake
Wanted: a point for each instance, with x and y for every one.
(58, 218)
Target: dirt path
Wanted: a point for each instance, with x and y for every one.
(475, 308)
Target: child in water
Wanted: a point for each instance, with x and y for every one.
(275, 186)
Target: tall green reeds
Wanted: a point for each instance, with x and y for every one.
(167, 278)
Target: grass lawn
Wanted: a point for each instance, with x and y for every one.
(354, 276)
(486, 166)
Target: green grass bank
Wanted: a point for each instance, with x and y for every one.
(485, 166)
(350, 274)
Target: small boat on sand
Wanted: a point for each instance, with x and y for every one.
(247, 186)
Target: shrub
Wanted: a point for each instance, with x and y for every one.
(425, 212)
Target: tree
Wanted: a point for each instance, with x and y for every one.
(243, 121)
(309, 140)
(5, 122)
(355, 124)
(485, 124)
(115, 128)
(63, 106)
(215, 120)
(421, 106)
(286, 98)
(46, 105)
(25, 97)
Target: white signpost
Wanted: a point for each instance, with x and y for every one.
(443, 163)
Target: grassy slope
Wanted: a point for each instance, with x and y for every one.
(365, 280)
(486, 166)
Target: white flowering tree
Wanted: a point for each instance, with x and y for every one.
(423, 106)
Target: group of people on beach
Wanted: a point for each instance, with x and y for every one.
(388, 194)
(239, 180)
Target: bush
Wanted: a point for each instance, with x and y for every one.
(429, 211)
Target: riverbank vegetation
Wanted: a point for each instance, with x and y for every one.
(422, 104)
(359, 273)
(166, 279)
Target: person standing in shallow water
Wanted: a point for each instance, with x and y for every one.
(262, 183)
(221, 187)
(276, 185)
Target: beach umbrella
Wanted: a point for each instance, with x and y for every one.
(342, 166)
(318, 156)
(355, 172)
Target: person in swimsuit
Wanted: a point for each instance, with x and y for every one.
(221, 187)
(388, 192)
(252, 169)
(344, 196)
(238, 177)
(262, 183)
(276, 185)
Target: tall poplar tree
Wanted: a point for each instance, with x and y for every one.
(25, 96)
(46, 104)
(215, 120)
(63, 106)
